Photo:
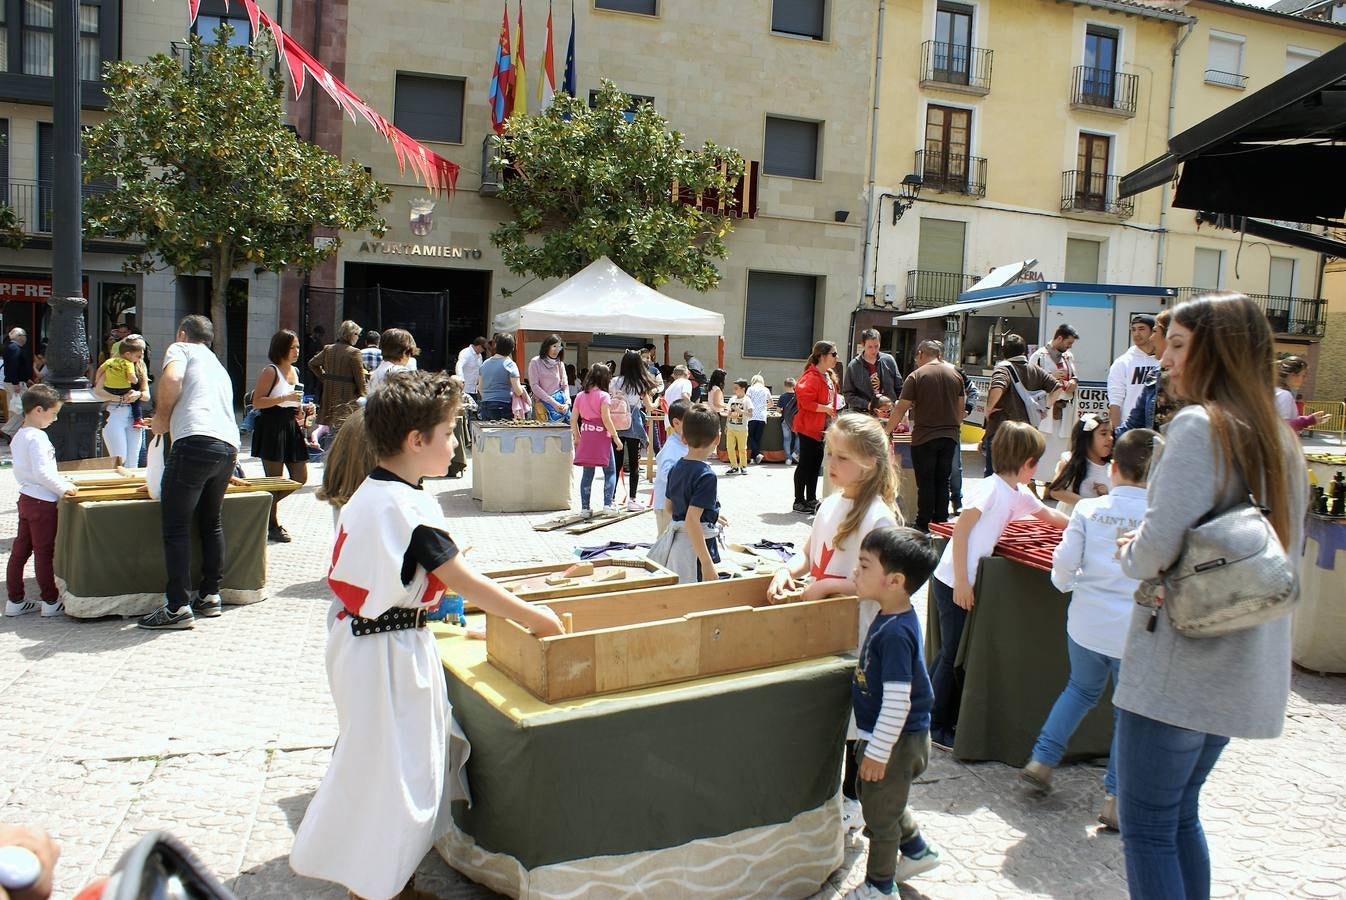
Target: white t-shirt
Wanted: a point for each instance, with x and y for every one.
(680, 389)
(35, 465)
(760, 397)
(1096, 475)
(387, 368)
(469, 368)
(1127, 377)
(205, 407)
(999, 503)
(828, 561)
(1285, 404)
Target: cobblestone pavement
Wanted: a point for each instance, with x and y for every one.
(221, 735)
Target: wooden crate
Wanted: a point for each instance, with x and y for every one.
(634, 639)
(529, 582)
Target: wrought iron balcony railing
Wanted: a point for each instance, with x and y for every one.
(1286, 315)
(1226, 79)
(953, 172)
(959, 66)
(1104, 89)
(1093, 192)
(32, 202)
(927, 289)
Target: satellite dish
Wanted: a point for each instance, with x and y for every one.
(1003, 275)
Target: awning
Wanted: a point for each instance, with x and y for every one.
(954, 309)
(1294, 237)
(1276, 154)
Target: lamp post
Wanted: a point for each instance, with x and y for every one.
(906, 195)
(74, 434)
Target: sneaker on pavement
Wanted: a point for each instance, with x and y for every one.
(586, 513)
(164, 619)
(852, 816)
(942, 740)
(803, 508)
(757, 460)
(208, 607)
(1108, 817)
(608, 512)
(54, 608)
(634, 506)
(19, 607)
(908, 867)
(1037, 775)
(867, 891)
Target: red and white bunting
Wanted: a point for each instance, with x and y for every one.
(438, 173)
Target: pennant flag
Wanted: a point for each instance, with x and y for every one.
(498, 98)
(546, 82)
(254, 14)
(519, 96)
(193, 7)
(569, 86)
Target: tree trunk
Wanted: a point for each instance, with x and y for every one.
(219, 296)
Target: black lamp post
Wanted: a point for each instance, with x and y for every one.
(75, 434)
(906, 195)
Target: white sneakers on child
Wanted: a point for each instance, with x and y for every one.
(22, 607)
(634, 506)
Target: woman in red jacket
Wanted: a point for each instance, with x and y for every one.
(816, 395)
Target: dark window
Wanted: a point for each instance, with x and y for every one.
(4, 38)
(948, 133)
(46, 161)
(206, 26)
(806, 18)
(644, 7)
(4, 160)
(1091, 179)
(429, 108)
(791, 148)
(37, 37)
(1100, 65)
(953, 43)
(779, 323)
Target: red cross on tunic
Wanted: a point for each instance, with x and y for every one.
(819, 569)
(352, 596)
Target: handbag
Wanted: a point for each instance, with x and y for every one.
(154, 467)
(1232, 574)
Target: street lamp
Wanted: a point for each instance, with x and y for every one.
(906, 195)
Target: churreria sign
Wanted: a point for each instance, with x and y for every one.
(400, 249)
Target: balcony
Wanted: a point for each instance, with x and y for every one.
(1104, 90)
(1226, 79)
(927, 289)
(952, 172)
(1302, 316)
(956, 67)
(1091, 192)
(32, 202)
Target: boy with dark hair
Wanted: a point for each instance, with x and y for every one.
(40, 487)
(674, 449)
(788, 407)
(736, 429)
(397, 760)
(690, 544)
(891, 697)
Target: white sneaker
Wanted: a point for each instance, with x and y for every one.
(19, 608)
(608, 512)
(852, 815)
(908, 868)
(54, 608)
(866, 891)
(634, 506)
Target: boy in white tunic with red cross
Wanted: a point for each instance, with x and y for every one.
(397, 762)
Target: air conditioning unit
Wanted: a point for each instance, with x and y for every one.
(491, 170)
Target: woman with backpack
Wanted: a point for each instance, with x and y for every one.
(629, 404)
(1012, 381)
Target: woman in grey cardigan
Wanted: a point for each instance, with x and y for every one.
(1182, 699)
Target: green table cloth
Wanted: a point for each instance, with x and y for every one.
(110, 556)
(725, 786)
(1014, 664)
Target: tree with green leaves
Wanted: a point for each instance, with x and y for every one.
(589, 182)
(208, 176)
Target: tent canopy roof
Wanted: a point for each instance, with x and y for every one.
(602, 298)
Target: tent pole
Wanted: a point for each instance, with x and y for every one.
(666, 350)
(719, 364)
(518, 359)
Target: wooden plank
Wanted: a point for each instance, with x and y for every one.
(514, 651)
(641, 574)
(569, 665)
(134, 489)
(603, 521)
(643, 655)
(776, 634)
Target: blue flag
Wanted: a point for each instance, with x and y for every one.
(569, 84)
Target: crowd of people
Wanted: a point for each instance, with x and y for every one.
(1200, 415)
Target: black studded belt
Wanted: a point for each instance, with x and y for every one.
(396, 619)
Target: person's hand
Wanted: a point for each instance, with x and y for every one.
(158, 425)
(239, 482)
(1125, 540)
(963, 597)
(1320, 417)
(616, 442)
(71, 491)
(723, 521)
(130, 396)
(1100, 490)
(816, 590)
(297, 396)
(781, 582)
(872, 770)
(545, 622)
(829, 410)
(41, 845)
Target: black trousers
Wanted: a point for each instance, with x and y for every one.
(933, 465)
(196, 474)
(630, 458)
(809, 468)
(755, 430)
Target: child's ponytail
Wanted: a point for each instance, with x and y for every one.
(865, 437)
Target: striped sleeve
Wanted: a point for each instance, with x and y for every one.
(892, 717)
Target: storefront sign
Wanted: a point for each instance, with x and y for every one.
(1093, 398)
(439, 250)
(29, 289)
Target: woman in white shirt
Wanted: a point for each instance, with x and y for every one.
(399, 350)
(1291, 373)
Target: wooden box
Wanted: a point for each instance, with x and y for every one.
(530, 582)
(635, 639)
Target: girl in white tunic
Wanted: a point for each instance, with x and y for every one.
(398, 759)
(1083, 470)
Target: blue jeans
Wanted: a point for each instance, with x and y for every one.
(946, 681)
(609, 482)
(788, 442)
(196, 474)
(495, 411)
(1089, 673)
(1160, 771)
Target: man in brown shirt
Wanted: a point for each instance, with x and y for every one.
(1003, 403)
(933, 392)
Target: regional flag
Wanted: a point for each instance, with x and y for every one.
(570, 85)
(546, 82)
(498, 99)
(519, 96)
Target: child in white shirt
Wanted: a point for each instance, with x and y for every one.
(1086, 563)
(674, 449)
(40, 487)
(1004, 497)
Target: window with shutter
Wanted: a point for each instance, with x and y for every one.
(1224, 59)
(1298, 56)
(1206, 266)
(1082, 257)
(1281, 282)
(429, 107)
(791, 148)
(779, 320)
(806, 18)
(643, 7)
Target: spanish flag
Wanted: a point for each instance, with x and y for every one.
(520, 94)
(546, 82)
